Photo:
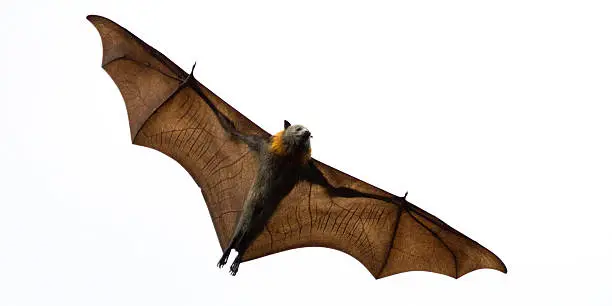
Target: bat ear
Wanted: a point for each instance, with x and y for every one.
(287, 124)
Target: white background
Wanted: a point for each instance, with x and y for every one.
(496, 118)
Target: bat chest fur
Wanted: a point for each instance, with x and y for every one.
(275, 178)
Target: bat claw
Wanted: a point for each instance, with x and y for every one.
(190, 76)
(192, 68)
(223, 259)
(234, 267)
(402, 202)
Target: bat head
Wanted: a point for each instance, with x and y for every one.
(296, 136)
(293, 140)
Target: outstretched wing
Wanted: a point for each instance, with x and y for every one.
(180, 122)
(387, 239)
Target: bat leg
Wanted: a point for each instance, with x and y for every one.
(245, 241)
(241, 246)
(236, 241)
(236, 264)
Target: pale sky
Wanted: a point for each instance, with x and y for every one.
(495, 117)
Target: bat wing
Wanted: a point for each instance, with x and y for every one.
(384, 237)
(180, 122)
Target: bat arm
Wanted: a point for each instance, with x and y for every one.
(314, 175)
(254, 142)
(346, 192)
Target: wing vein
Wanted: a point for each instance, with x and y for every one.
(309, 211)
(392, 241)
(139, 63)
(439, 239)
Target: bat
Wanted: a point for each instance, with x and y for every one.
(264, 192)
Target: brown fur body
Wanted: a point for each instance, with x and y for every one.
(281, 158)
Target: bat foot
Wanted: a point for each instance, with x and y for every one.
(224, 257)
(222, 262)
(234, 267)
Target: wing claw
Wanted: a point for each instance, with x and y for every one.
(189, 77)
(402, 202)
